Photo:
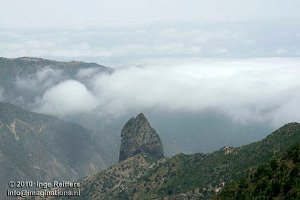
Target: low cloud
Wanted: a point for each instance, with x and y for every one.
(2, 94)
(41, 80)
(244, 89)
(69, 97)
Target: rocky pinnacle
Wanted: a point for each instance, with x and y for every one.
(139, 137)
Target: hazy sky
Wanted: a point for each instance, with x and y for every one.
(80, 12)
(116, 32)
(118, 45)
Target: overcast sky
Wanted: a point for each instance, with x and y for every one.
(119, 32)
(78, 11)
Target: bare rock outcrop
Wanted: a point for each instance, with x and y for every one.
(139, 137)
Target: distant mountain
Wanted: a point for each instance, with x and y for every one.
(38, 147)
(139, 137)
(276, 179)
(17, 76)
(196, 176)
(11, 67)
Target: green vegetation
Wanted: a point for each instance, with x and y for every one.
(277, 179)
(208, 173)
(198, 176)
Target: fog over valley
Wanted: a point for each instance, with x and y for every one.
(243, 89)
(196, 105)
(208, 77)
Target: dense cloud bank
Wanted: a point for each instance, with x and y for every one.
(1, 94)
(244, 89)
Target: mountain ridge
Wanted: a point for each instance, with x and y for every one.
(195, 176)
(279, 178)
(44, 62)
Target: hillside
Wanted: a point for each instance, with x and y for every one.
(44, 148)
(276, 179)
(196, 176)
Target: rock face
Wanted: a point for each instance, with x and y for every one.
(139, 137)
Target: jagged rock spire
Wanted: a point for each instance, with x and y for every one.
(139, 137)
